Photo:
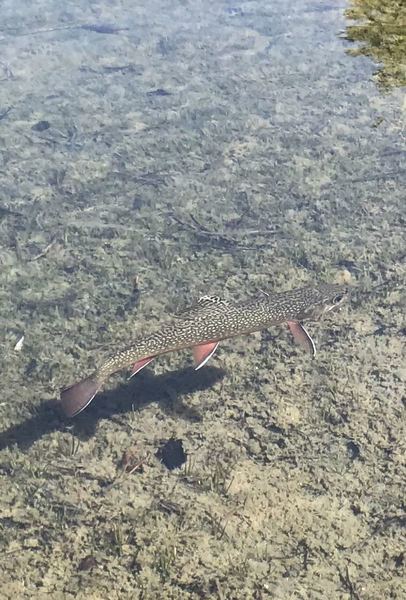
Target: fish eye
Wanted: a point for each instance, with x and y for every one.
(338, 298)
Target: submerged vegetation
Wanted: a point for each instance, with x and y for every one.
(380, 27)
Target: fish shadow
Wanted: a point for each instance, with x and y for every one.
(166, 390)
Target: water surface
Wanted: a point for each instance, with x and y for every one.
(203, 147)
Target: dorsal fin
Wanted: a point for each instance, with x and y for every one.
(203, 305)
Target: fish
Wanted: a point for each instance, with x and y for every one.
(204, 325)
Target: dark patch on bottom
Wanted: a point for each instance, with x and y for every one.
(172, 454)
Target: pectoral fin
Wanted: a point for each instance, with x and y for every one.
(302, 337)
(202, 353)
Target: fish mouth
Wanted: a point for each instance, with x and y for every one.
(337, 304)
(331, 307)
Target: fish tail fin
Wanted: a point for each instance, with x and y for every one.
(76, 397)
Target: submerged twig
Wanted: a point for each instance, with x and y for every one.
(224, 238)
(45, 250)
(8, 211)
(96, 27)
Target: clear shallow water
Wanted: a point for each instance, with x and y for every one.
(210, 148)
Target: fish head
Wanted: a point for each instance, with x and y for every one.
(323, 299)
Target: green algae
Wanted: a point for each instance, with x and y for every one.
(379, 28)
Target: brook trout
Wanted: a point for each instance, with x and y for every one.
(203, 325)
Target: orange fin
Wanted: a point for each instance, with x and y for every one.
(203, 353)
(79, 395)
(140, 364)
(302, 337)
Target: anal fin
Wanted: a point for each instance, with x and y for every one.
(203, 353)
(302, 337)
